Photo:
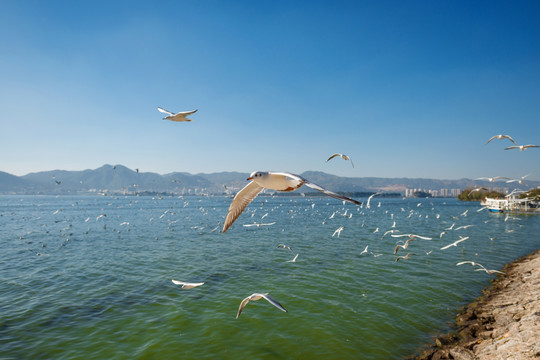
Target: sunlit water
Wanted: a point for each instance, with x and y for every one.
(77, 285)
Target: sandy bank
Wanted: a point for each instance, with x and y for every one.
(504, 323)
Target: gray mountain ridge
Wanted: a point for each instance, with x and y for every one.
(120, 179)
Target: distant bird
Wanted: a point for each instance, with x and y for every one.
(522, 147)
(369, 199)
(491, 179)
(338, 231)
(365, 250)
(283, 246)
(344, 157)
(258, 296)
(181, 116)
(479, 189)
(500, 137)
(404, 246)
(455, 242)
(259, 224)
(389, 232)
(481, 267)
(463, 227)
(519, 181)
(406, 257)
(412, 236)
(58, 182)
(294, 259)
(280, 181)
(186, 285)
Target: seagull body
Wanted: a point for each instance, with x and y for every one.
(500, 137)
(255, 297)
(181, 116)
(522, 147)
(280, 181)
(186, 285)
(344, 157)
(406, 257)
(455, 243)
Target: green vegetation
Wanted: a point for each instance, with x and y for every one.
(478, 195)
(531, 194)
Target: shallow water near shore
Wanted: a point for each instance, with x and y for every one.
(74, 284)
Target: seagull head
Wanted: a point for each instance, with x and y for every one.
(257, 175)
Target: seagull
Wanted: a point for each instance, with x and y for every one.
(338, 231)
(491, 179)
(365, 250)
(455, 242)
(181, 116)
(369, 199)
(412, 236)
(258, 296)
(500, 137)
(344, 157)
(482, 267)
(406, 257)
(463, 227)
(404, 246)
(259, 224)
(293, 260)
(186, 285)
(522, 147)
(285, 247)
(280, 181)
(389, 232)
(519, 181)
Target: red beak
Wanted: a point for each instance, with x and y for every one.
(250, 178)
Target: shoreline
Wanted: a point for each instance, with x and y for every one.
(503, 323)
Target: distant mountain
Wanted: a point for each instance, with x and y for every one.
(120, 179)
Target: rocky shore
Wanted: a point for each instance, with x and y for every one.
(504, 323)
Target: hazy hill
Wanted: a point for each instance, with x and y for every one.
(120, 179)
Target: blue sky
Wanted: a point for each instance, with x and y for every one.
(405, 88)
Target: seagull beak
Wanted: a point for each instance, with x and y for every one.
(250, 178)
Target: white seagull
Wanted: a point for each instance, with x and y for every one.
(280, 181)
(257, 296)
(519, 181)
(344, 157)
(522, 147)
(455, 242)
(500, 137)
(481, 267)
(186, 285)
(491, 179)
(181, 116)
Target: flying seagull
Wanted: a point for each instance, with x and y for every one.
(344, 157)
(257, 296)
(522, 147)
(455, 242)
(181, 116)
(280, 181)
(186, 285)
(500, 137)
(491, 179)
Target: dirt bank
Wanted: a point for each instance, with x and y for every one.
(504, 323)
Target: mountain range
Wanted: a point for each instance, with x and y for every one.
(120, 179)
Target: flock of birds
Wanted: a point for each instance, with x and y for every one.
(285, 182)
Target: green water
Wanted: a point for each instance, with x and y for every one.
(73, 285)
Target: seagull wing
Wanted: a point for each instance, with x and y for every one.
(531, 146)
(243, 305)
(165, 111)
(509, 138)
(186, 113)
(240, 201)
(329, 193)
(274, 302)
(333, 156)
(511, 147)
(493, 137)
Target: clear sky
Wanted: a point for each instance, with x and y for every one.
(405, 88)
